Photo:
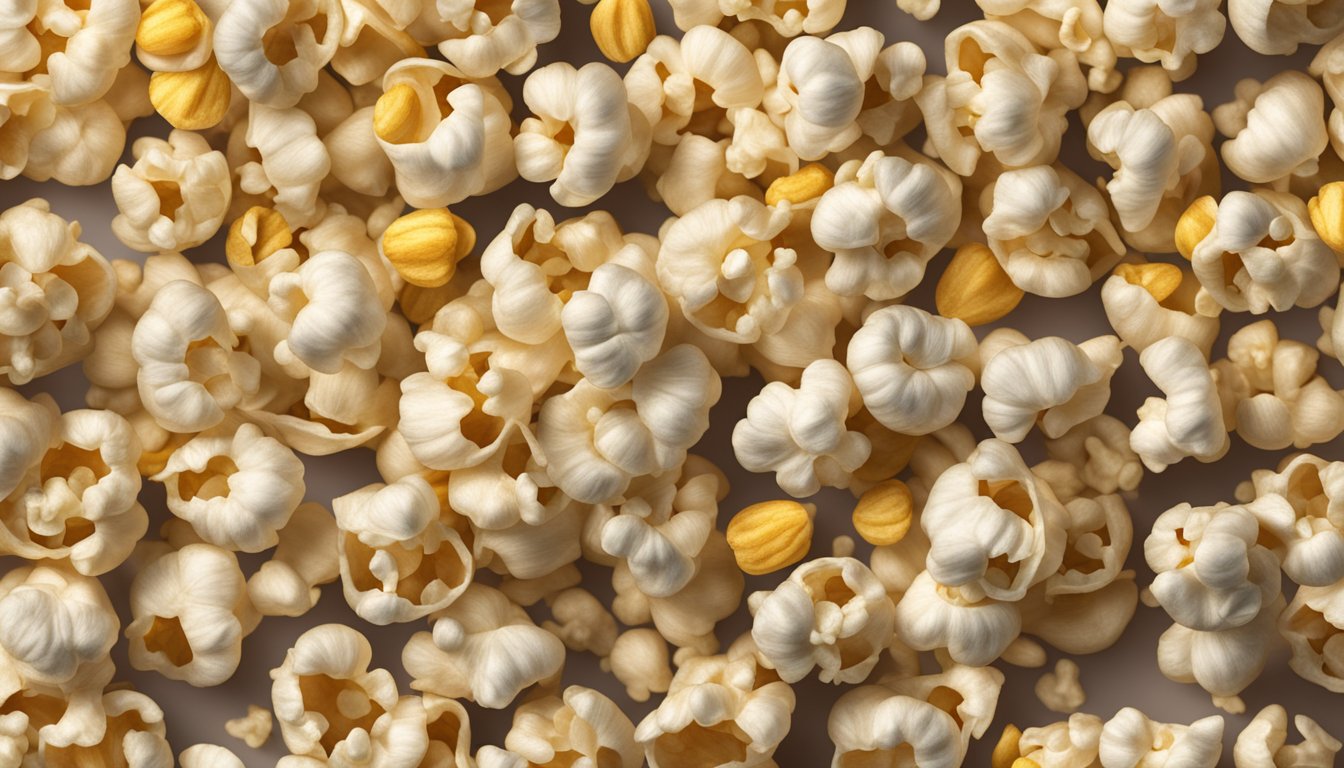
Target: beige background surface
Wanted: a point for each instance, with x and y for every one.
(1124, 675)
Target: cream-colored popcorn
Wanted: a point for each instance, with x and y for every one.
(253, 729)
(1131, 739)
(1264, 742)
(687, 617)
(190, 613)
(1278, 27)
(57, 629)
(581, 622)
(74, 484)
(1060, 690)
(1275, 128)
(536, 264)
(400, 559)
(1099, 452)
(509, 488)
(1165, 32)
(581, 726)
(332, 708)
(54, 292)
(1331, 341)
(1302, 507)
(1189, 420)
(175, 195)
(995, 528)
(639, 660)
(272, 51)
(913, 369)
(661, 528)
(719, 710)
(208, 756)
(889, 110)
(483, 648)
(677, 81)
(731, 270)
(1272, 392)
(818, 95)
(800, 434)
(596, 441)
(931, 616)
(886, 217)
(82, 144)
(930, 718)
(477, 400)
(1062, 744)
(304, 560)
(237, 490)
(1328, 65)
(1211, 572)
(995, 77)
(279, 160)
(831, 614)
(80, 47)
(1019, 392)
(127, 728)
(335, 321)
(812, 17)
(448, 138)
(1130, 297)
(1072, 24)
(25, 111)
(618, 322)
(192, 371)
(480, 38)
(1162, 157)
(584, 135)
(1049, 230)
(1313, 625)
(1258, 252)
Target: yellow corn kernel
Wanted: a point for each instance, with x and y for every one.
(807, 183)
(883, 513)
(770, 535)
(171, 27)
(258, 233)
(622, 29)
(192, 100)
(1159, 280)
(425, 246)
(1007, 752)
(1195, 224)
(396, 114)
(1327, 214)
(974, 288)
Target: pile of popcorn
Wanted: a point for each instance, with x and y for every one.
(532, 397)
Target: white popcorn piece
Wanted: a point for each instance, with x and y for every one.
(1275, 129)
(1019, 392)
(483, 648)
(1276, 27)
(482, 41)
(1264, 742)
(190, 612)
(1189, 420)
(1166, 33)
(272, 51)
(175, 195)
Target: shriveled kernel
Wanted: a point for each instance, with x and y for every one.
(258, 233)
(807, 183)
(1327, 214)
(192, 100)
(622, 29)
(425, 246)
(171, 27)
(396, 114)
(974, 288)
(1195, 225)
(883, 513)
(1159, 280)
(1008, 751)
(771, 535)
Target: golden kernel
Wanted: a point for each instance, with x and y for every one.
(425, 246)
(396, 115)
(771, 535)
(258, 233)
(192, 100)
(883, 514)
(1159, 280)
(807, 183)
(1195, 225)
(1327, 214)
(622, 29)
(974, 288)
(171, 27)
